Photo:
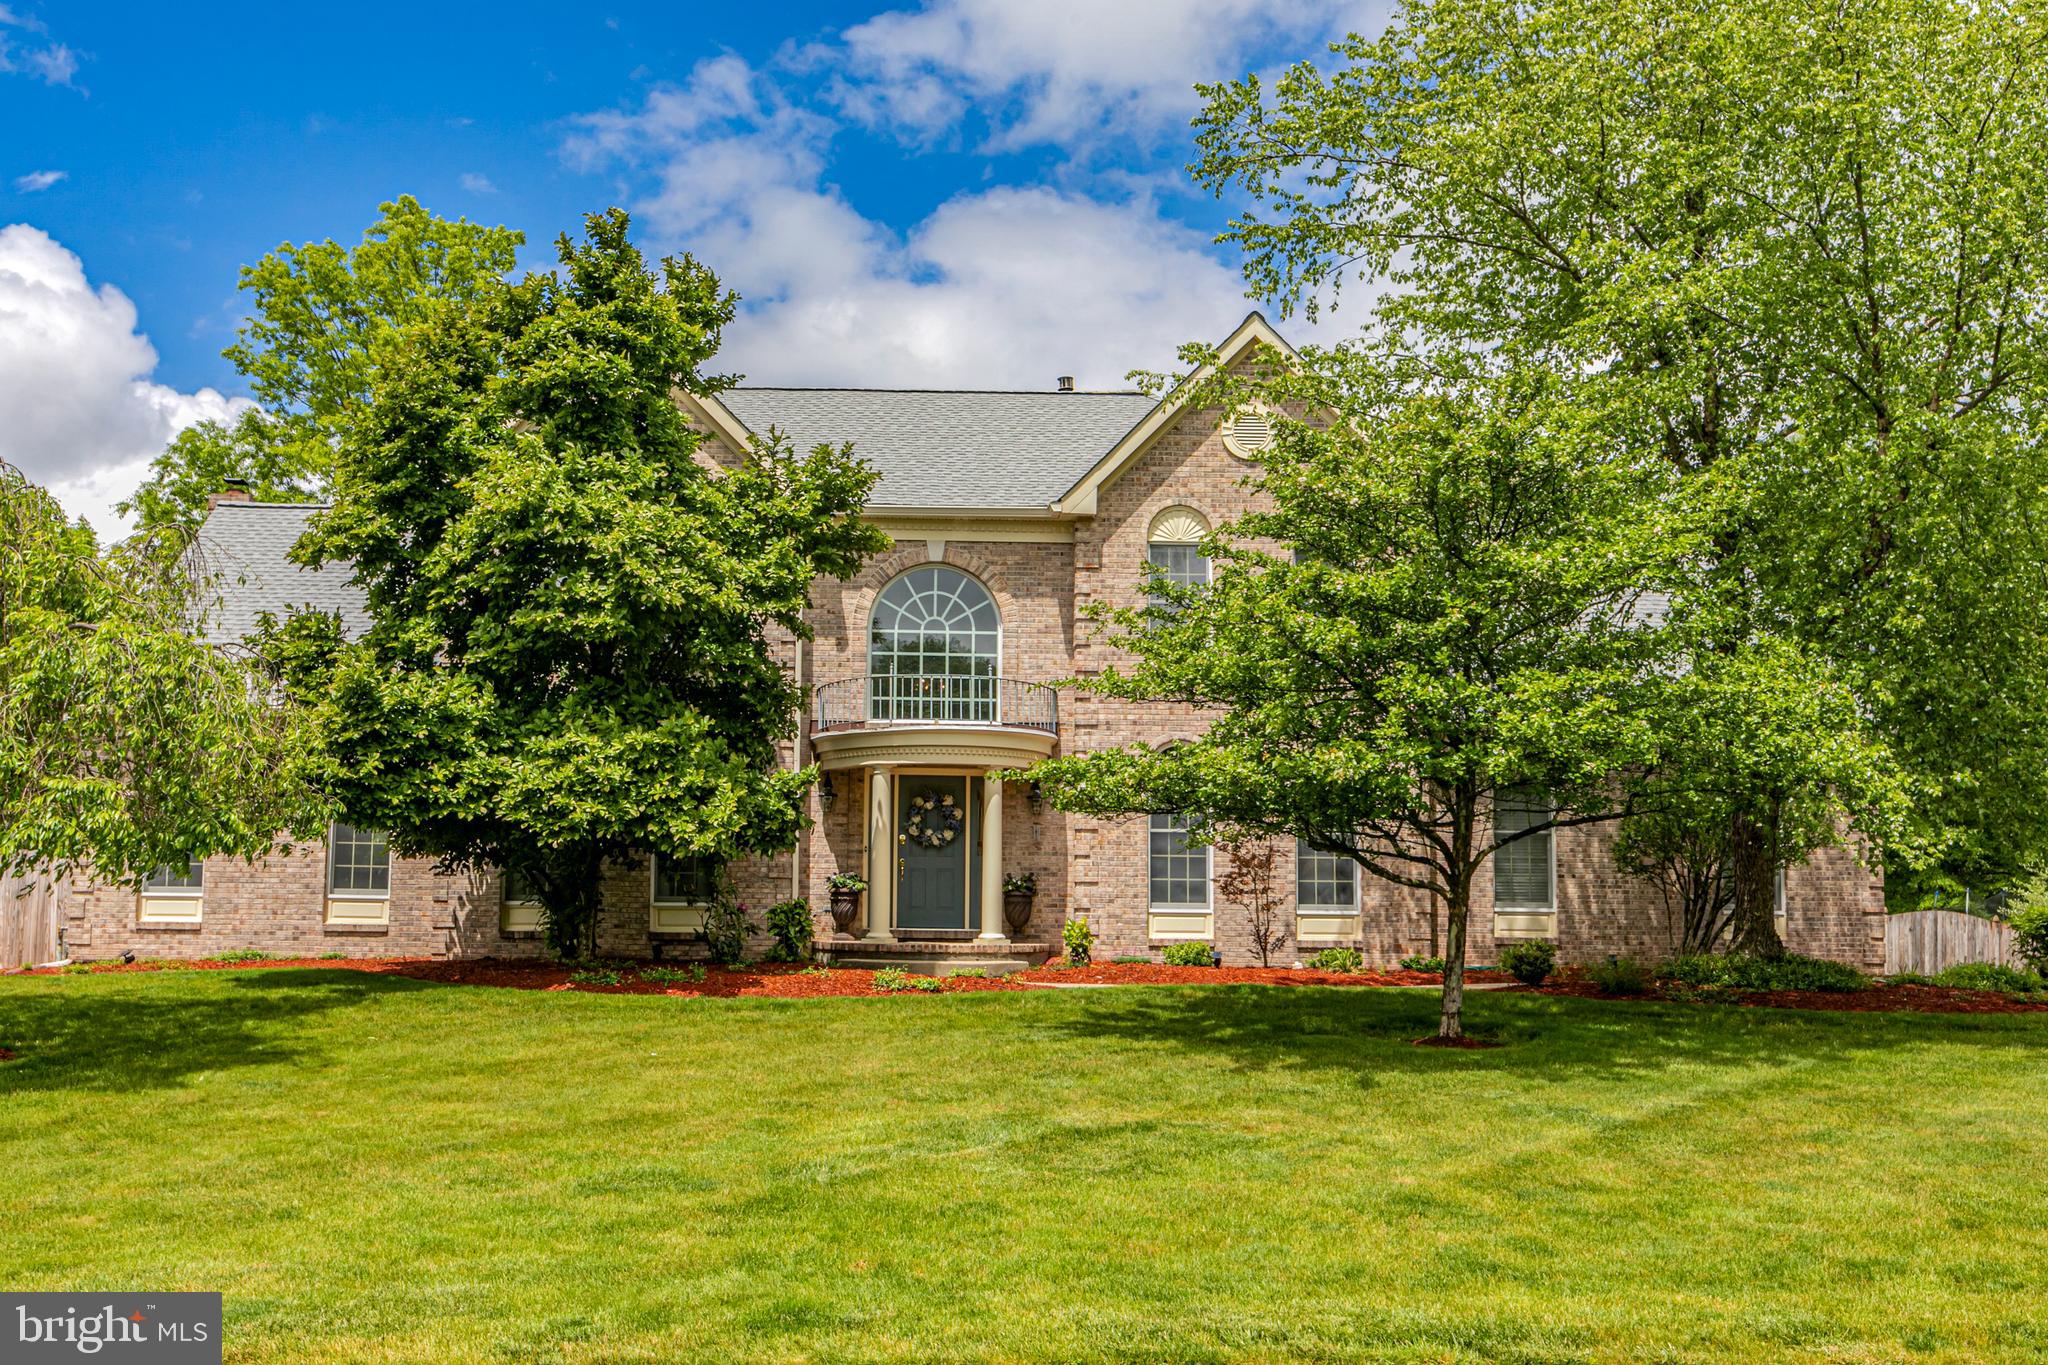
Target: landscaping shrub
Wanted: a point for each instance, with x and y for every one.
(1619, 976)
(1416, 962)
(1079, 940)
(890, 980)
(971, 973)
(240, 955)
(1788, 973)
(1189, 955)
(692, 974)
(1529, 963)
(1127, 960)
(1337, 960)
(596, 976)
(2030, 936)
(334, 957)
(790, 923)
(726, 927)
(1990, 976)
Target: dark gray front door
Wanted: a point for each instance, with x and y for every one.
(931, 885)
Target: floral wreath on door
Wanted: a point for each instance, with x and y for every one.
(934, 820)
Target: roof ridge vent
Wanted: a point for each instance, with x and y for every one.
(1066, 383)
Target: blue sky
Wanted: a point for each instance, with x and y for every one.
(982, 193)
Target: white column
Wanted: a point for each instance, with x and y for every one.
(881, 854)
(992, 861)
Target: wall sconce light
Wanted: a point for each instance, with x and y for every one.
(826, 794)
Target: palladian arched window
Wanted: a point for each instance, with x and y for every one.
(935, 646)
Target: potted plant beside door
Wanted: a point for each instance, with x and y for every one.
(845, 888)
(1019, 890)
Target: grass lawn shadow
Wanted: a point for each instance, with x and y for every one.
(123, 1040)
(1371, 1032)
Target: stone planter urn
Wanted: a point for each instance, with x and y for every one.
(845, 910)
(1017, 911)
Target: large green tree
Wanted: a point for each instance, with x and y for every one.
(126, 742)
(571, 604)
(1456, 611)
(318, 312)
(1809, 244)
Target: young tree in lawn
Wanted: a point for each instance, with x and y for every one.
(319, 311)
(126, 742)
(569, 660)
(1250, 880)
(1809, 244)
(1459, 618)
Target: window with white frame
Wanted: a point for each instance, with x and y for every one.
(1175, 547)
(173, 894)
(1180, 869)
(1324, 882)
(684, 881)
(518, 903)
(1523, 871)
(358, 863)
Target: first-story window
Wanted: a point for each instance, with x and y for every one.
(1524, 871)
(173, 894)
(1324, 881)
(1179, 880)
(518, 903)
(358, 862)
(358, 877)
(683, 887)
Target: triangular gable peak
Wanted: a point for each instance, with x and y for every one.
(1081, 499)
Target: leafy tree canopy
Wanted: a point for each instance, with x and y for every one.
(1805, 241)
(572, 605)
(126, 743)
(319, 312)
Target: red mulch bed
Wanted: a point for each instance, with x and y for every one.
(793, 982)
(1880, 999)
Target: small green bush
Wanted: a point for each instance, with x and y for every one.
(596, 976)
(693, 974)
(240, 955)
(890, 980)
(334, 957)
(74, 969)
(1338, 960)
(1529, 963)
(2030, 937)
(1416, 962)
(726, 927)
(1129, 960)
(1079, 940)
(971, 973)
(1189, 955)
(790, 923)
(1990, 976)
(1909, 979)
(1788, 973)
(1619, 976)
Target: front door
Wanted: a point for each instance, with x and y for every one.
(933, 837)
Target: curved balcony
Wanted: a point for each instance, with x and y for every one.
(900, 718)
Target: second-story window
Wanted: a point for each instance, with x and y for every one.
(935, 646)
(1175, 547)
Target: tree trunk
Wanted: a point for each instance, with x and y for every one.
(1452, 1024)
(1752, 858)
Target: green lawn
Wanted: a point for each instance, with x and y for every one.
(373, 1168)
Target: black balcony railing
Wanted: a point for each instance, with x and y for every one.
(908, 699)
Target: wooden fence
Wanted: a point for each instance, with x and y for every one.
(30, 910)
(1930, 940)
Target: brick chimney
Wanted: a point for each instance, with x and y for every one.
(232, 490)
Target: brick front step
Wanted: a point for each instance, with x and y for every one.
(933, 958)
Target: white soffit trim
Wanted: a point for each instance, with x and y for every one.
(1080, 500)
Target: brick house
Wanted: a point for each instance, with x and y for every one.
(1011, 512)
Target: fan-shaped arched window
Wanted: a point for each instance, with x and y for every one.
(1175, 546)
(935, 646)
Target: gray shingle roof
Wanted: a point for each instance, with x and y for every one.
(244, 545)
(952, 448)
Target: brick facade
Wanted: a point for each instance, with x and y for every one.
(1094, 868)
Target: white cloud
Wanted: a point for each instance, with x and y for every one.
(478, 183)
(1065, 71)
(25, 45)
(79, 411)
(37, 181)
(1004, 287)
